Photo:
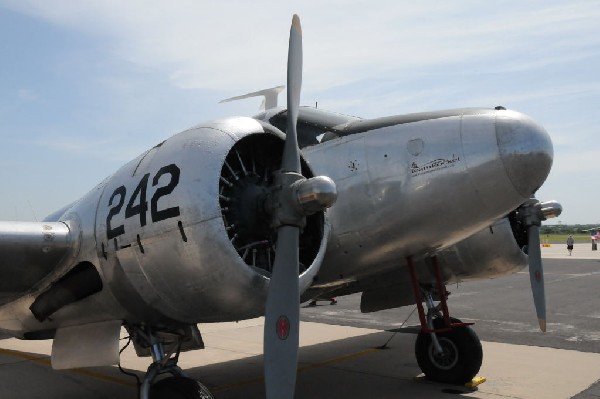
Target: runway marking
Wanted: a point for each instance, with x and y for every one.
(45, 360)
(301, 369)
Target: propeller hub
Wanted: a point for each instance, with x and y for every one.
(551, 209)
(533, 212)
(282, 203)
(294, 197)
(316, 194)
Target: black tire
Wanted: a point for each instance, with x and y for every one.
(179, 388)
(462, 355)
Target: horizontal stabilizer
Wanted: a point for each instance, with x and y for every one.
(270, 97)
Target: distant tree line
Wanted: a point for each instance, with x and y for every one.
(568, 228)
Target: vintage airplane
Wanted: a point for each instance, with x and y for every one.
(226, 221)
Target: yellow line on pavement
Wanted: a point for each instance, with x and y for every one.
(45, 360)
(301, 369)
(338, 359)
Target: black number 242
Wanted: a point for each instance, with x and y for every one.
(138, 205)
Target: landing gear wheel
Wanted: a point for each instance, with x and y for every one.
(461, 358)
(179, 388)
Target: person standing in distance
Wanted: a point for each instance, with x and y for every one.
(570, 242)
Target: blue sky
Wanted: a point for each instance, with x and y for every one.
(86, 86)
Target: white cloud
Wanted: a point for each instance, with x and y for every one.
(396, 57)
(27, 95)
(242, 45)
(545, 94)
(581, 161)
(110, 150)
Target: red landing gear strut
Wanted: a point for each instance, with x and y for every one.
(446, 349)
(432, 310)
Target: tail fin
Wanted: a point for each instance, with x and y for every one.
(269, 100)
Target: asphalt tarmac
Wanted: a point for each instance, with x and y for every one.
(502, 309)
(339, 356)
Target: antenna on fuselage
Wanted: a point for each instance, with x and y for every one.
(32, 211)
(269, 97)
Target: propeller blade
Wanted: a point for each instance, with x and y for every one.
(536, 274)
(291, 153)
(282, 310)
(282, 318)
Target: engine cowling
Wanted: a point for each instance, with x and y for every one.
(182, 231)
(490, 253)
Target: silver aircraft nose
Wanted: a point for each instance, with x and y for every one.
(525, 149)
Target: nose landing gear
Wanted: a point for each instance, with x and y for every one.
(164, 349)
(178, 387)
(447, 350)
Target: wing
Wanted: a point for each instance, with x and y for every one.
(29, 251)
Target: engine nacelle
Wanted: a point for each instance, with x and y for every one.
(492, 252)
(182, 230)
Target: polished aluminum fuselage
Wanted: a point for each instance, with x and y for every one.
(416, 186)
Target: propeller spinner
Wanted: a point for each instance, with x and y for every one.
(293, 197)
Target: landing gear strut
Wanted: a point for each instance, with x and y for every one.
(447, 350)
(165, 358)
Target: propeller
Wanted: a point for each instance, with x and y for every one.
(533, 213)
(293, 197)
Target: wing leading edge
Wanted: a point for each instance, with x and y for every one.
(29, 251)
